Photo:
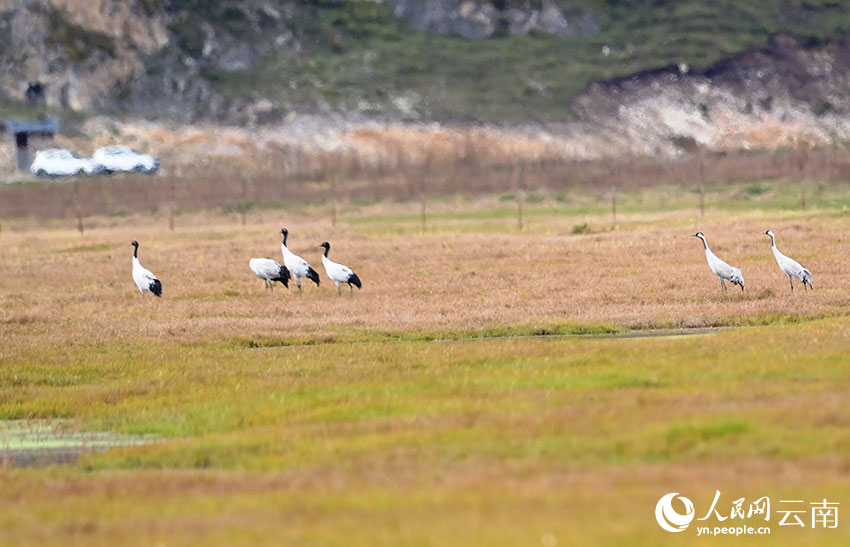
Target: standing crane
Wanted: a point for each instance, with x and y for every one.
(144, 278)
(296, 265)
(269, 271)
(791, 267)
(721, 269)
(338, 272)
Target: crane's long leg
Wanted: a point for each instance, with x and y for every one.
(805, 288)
(791, 281)
(351, 288)
(298, 281)
(339, 289)
(723, 284)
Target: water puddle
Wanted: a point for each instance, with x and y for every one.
(624, 335)
(33, 443)
(662, 333)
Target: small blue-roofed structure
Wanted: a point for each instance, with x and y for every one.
(24, 129)
(46, 127)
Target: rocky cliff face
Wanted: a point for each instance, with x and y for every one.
(782, 96)
(476, 20)
(142, 56)
(161, 58)
(79, 51)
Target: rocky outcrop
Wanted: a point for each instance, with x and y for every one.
(782, 96)
(139, 56)
(78, 51)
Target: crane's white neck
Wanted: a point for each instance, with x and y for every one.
(704, 243)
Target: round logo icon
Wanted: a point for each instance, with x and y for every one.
(668, 518)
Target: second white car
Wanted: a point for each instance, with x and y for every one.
(119, 158)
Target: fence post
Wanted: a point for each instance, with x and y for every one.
(423, 215)
(701, 184)
(245, 205)
(614, 178)
(614, 206)
(333, 201)
(520, 196)
(802, 160)
(78, 210)
(172, 205)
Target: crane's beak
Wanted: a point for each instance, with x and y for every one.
(694, 235)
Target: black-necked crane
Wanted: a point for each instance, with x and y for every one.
(721, 269)
(296, 265)
(269, 271)
(144, 278)
(789, 266)
(339, 273)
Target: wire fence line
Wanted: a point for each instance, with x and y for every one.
(235, 188)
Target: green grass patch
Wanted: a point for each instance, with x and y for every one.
(591, 400)
(369, 336)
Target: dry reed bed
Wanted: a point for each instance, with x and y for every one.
(266, 178)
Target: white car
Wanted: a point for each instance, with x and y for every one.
(122, 158)
(57, 162)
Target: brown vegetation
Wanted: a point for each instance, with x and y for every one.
(404, 166)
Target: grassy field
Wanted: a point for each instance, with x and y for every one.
(487, 385)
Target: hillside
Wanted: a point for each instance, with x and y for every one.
(260, 61)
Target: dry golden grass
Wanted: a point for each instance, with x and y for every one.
(467, 274)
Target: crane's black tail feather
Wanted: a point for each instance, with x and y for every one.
(354, 280)
(156, 287)
(283, 276)
(807, 278)
(313, 276)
